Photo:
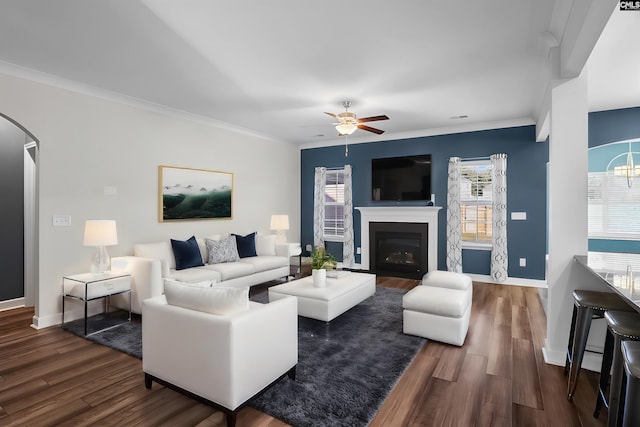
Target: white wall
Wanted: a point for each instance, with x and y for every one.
(87, 143)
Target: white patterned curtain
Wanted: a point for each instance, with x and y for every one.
(454, 225)
(348, 258)
(318, 206)
(499, 256)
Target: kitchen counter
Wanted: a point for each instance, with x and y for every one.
(620, 271)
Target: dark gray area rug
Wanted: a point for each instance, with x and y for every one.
(112, 331)
(346, 367)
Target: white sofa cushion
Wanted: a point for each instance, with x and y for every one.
(264, 263)
(217, 300)
(157, 250)
(266, 244)
(437, 301)
(232, 270)
(195, 274)
(447, 279)
(204, 284)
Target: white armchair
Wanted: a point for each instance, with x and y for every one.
(223, 361)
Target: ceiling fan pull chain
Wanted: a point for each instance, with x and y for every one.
(346, 145)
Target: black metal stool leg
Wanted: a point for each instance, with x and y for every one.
(572, 332)
(631, 360)
(616, 384)
(583, 325)
(631, 414)
(605, 369)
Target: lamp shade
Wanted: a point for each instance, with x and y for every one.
(279, 222)
(100, 232)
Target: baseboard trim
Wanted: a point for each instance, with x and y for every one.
(513, 281)
(12, 303)
(510, 281)
(69, 316)
(590, 361)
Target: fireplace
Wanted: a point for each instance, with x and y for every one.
(399, 249)
(425, 215)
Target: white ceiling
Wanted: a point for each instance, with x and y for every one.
(273, 67)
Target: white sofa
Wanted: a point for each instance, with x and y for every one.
(154, 262)
(223, 361)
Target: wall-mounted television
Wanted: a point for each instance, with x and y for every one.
(401, 178)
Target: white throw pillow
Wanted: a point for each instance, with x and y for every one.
(266, 244)
(158, 250)
(205, 284)
(217, 300)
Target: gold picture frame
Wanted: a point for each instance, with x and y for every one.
(191, 194)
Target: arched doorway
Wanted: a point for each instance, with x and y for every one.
(18, 190)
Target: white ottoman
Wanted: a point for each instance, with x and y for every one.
(338, 296)
(439, 309)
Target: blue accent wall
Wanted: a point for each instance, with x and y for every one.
(613, 125)
(606, 127)
(526, 183)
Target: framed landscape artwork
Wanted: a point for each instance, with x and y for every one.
(188, 194)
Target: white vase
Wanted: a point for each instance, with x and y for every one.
(319, 277)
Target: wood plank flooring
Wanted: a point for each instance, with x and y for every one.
(498, 378)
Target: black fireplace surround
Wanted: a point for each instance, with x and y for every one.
(398, 249)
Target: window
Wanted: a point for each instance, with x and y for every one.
(613, 207)
(334, 206)
(475, 202)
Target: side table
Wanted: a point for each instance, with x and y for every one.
(87, 287)
(299, 261)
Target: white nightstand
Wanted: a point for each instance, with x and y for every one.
(88, 287)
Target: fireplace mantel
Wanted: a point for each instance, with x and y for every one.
(425, 214)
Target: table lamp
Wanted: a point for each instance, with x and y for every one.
(280, 223)
(100, 233)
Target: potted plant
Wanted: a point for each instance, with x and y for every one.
(321, 261)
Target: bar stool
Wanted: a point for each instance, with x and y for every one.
(622, 326)
(588, 305)
(631, 359)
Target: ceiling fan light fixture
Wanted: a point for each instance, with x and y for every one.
(346, 128)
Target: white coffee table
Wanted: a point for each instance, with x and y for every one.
(338, 296)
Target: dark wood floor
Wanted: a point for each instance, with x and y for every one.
(498, 378)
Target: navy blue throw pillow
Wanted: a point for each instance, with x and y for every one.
(246, 245)
(186, 253)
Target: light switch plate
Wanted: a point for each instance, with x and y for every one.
(61, 220)
(523, 262)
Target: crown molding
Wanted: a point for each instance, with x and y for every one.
(29, 74)
(447, 130)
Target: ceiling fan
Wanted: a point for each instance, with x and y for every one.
(348, 122)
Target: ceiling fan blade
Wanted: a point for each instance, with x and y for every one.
(331, 114)
(370, 129)
(373, 118)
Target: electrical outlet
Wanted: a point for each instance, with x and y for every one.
(523, 262)
(358, 251)
(308, 248)
(518, 216)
